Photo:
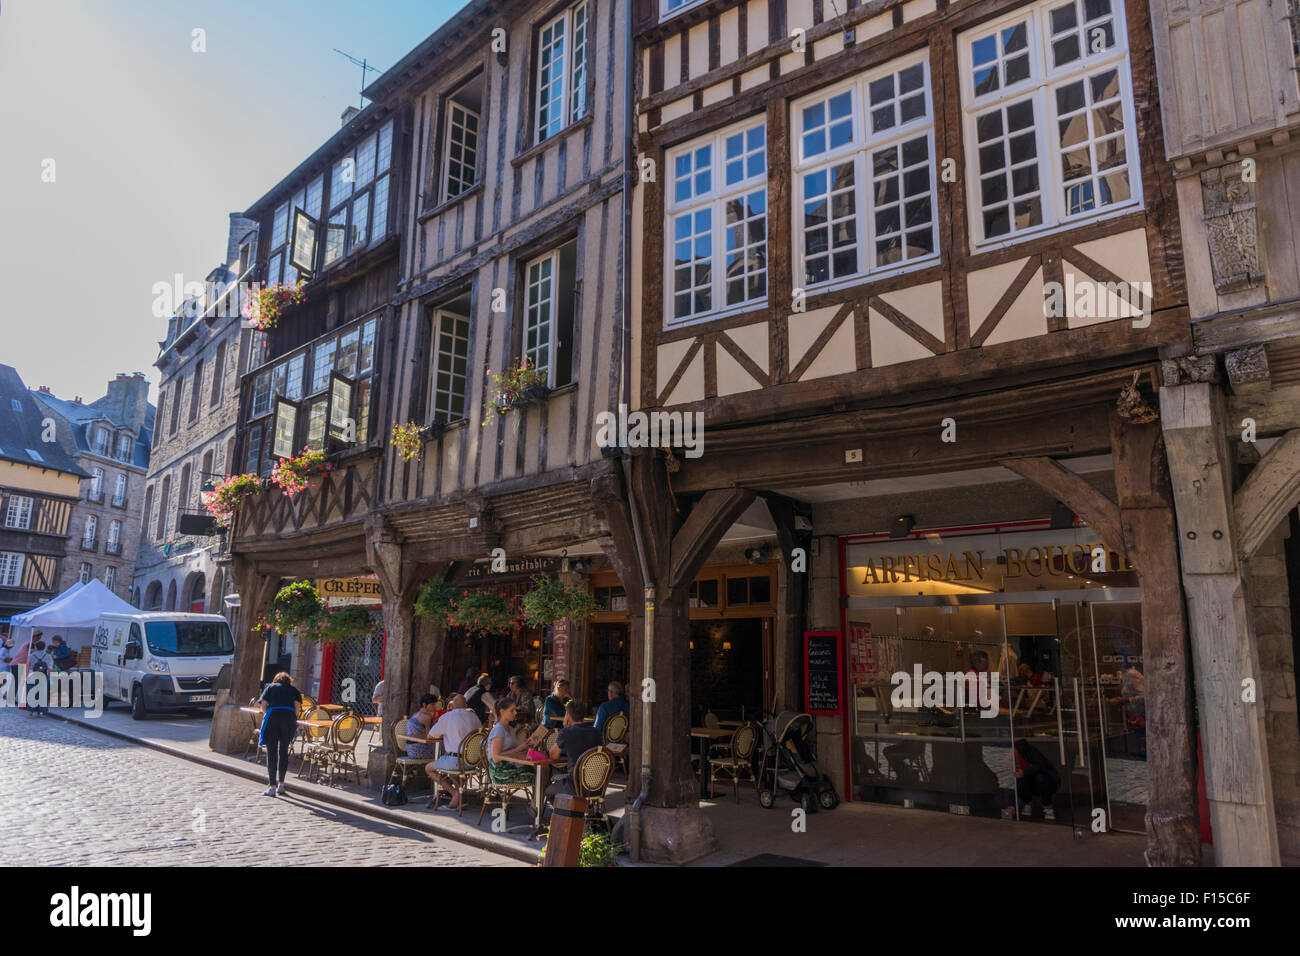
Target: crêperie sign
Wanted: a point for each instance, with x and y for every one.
(821, 667)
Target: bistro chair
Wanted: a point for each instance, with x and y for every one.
(313, 738)
(549, 741)
(710, 720)
(502, 791)
(308, 703)
(404, 766)
(590, 778)
(616, 728)
(738, 760)
(470, 770)
(340, 753)
(255, 738)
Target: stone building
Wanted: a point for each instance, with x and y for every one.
(109, 439)
(193, 443)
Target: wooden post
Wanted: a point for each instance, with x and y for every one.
(790, 621)
(1233, 742)
(1146, 514)
(229, 724)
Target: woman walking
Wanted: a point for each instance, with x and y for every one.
(281, 704)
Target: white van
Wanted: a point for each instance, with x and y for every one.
(160, 661)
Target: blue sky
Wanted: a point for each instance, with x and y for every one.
(154, 145)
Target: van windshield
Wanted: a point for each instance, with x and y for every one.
(189, 638)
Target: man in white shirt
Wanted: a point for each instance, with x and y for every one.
(377, 698)
(453, 727)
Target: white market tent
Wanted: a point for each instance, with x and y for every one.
(72, 615)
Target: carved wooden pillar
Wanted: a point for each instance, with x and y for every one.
(651, 530)
(793, 607)
(1233, 741)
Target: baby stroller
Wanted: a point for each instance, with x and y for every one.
(789, 763)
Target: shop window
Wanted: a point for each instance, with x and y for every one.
(745, 591)
(611, 598)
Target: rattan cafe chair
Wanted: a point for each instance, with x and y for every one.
(255, 738)
(403, 766)
(590, 778)
(615, 732)
(340, 754)
(314, 739)
(470, 770)
(501, 792)
(738, 760)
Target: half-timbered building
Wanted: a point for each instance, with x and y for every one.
(914, 261)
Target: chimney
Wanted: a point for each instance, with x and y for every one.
(77, 400)
(45, 389)
(348, 113)
(128, 397)
(239, 228)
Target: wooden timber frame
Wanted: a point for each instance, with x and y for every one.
(786, 392)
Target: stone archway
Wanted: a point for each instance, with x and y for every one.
(171, 597)
(153, 596)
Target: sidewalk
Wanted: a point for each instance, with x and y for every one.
(856, 834)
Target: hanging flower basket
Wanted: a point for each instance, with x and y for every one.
(293, 474)
(338, 623)
(551, 600)
(265, 307)
(436, 600)
(296, 607)
(222, 501)
(518, 385)
(477, 610)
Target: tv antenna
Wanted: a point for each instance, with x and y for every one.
(364, 68)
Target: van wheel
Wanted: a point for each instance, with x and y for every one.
(137, 704)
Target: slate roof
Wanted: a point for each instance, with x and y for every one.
(80, 417)
(20, 428)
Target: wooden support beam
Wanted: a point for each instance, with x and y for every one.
(703, 529)
(1146, 515)
(1234, 747)
(1268, 494)
(1098, 512)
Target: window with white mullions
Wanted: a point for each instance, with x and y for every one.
(1048, 106)
(464, 121)
(717, 222)
(550, 284)
(19, 512)
(865, 171)
(561, 91)
(450, 361)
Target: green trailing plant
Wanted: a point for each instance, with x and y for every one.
(509, 388)
(296, 607)
(551, 600)
(436, 600)
(597, 849)
(222, 501)
(337, 623)
(482, 611)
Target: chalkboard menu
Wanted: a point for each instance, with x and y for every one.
(821, 667)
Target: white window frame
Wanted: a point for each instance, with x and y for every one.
(440, 410)
(477, 132)
(860, 150)
(572, 99)
(119, 490)
(715, 200)
(91, 530)
(668, 10)
(11, 569)
(114, 533)
(18, 514)
(110, 578)
(552, 257)
(96, 490)
(84, 572)
(1040, 87)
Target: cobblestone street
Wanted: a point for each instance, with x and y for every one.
(73, 797)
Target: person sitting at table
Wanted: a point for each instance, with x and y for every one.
(574, 740)
(479, 700)
(453, 727)
(553, 707)
(522, 699)
(377, 698)
(503, 743)
(464, 686)
(617, 704)
(418, 727)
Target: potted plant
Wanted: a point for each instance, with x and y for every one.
(338, 623)
(222, 500)
(409, 438)
(266, 306)
(296, 607)
(481, 611)
(293, 474)
(518, 385)
(436, 600)
(551, 599)
(596, 850)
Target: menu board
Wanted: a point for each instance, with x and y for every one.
(821, 667)
(560, 649)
